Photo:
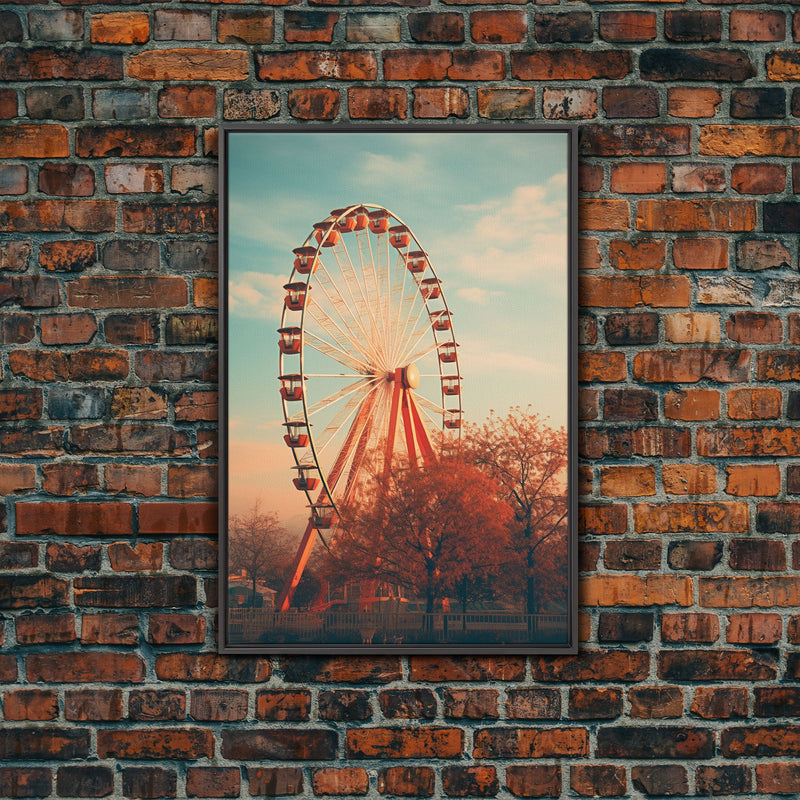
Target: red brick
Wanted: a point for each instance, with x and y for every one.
(436, 27)
(598, 780)
(690, 366)
(755, 403)
(692, 327)
(570, 64)
(657, 702)
(470, 781)
(275, 780)
(498, 27)
(627, 481)
(339, 781)
(700, 253)
(86, 216)
(283, 705)
(751, 327)
(30, 704)
(699, 517)
(44, 742)
(141, 557)
(591, 665)
(66, 180)
(538, 703)
(127, 292)
(69, 478)
(93, 704)
(310, 65)
(638, 254)
(258, 744)
(110, 629)
(757, 629)
(534, 780)
(603, 215)
(246, 27)
(45, 628)
(176, 629)
(744, 592)
(749, 140)
(604, 703)
(470, 703)
(627, 26)
(631, 291)
(635, 140)
(696, 215)
(83, 667)
(74, 519)
(719, 703)
(602, 366)
(128, 328)
(366, 102)
(187, 101)
(169, 217)
(134, 141)
(507, 103)
(213, 782)
(149, 705)
(219, 705)
(210, 667)
(693, 103)
(630, 590)
(685, 628)
(745, 480)
(758, 178)
(503, 742)
(192, 64)
(439, 103)
(20, 781)
(124, 27)
(33, 141)
(313, 103)
(406, 781)
(404, 743)
(602, 519)
(68, 329)
(757, 26)
(465, 668)
(164, 743)
(636, 178)
(133, 480)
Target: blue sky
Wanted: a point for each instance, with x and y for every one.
(489, 209)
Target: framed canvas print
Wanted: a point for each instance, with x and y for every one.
(398, 404)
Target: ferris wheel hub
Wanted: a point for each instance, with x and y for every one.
(411, 376)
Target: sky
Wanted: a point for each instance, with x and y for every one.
(489, 208)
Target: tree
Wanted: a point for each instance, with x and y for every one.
(425, 529)
(257, 545)
(528, 458)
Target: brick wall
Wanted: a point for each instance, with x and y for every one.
(690, 472)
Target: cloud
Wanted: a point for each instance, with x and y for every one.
(256, 295)
(475, 294)
(520, 239)
(378, 168)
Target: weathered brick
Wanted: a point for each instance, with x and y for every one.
(757, 26)
(598, 780)
(164, 743)
(82, 667)
(192, 64)
(181, 25)
(496, 27)
(93, 704)
(376, 103)
(507, 742)
(570, 64)
(213, 782)
(51, 63)
(591, 703)
(437, 103)
(665, 741)
(758, 178)
(275, 780)
(176, 629)
(507, 103)
(693, 103)
(573, 27)
(44, 743)
(470, 703)
(635, 140)
(465, 668)
(407, 781)
(625, 627)
(341, 704)
(689, 555)
(245, 27)
(758, 103)
(149, 782)
(286, 744)
(685, 628)
(723, 779)
(309, 65)
(340, 781)
(436, 27)
(693, 26)
(121, 27)
(534, 780)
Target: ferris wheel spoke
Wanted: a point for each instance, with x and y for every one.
(336, 301)
(341, 419)
(428, 405)
(350, 277)
(407, 357)
(405, 336)
(336, 353)
(338, 395)
(372, 285)
(346, 340)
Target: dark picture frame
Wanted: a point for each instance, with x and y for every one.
(398, 389)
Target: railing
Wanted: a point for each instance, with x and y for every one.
(366, 627)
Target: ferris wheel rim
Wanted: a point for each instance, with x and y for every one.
(326, 226)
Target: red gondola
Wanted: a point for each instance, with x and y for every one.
(289, 343)
(295, 296)
(441, 320)
(452, 419)
(451, 384)
(305, 481)
(295, 434)
(447, 352)
(333, 235)
(291, 387)
(417, 261)
(399, 236)
(430, 288)
(304, 262)
(323, 516)
(378, 221)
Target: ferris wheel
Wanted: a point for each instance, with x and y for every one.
(368, 364)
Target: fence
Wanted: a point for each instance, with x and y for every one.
(256, 625)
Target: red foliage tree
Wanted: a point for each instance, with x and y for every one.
(425, 529)
(528, 459)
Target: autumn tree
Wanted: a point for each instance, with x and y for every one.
(425, 529)
(528, 459)
(257, 545)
